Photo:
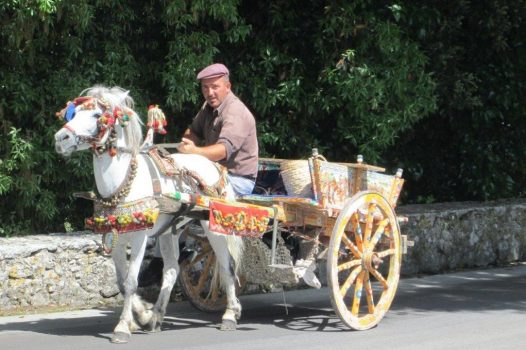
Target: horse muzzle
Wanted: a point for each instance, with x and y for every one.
(65, 142)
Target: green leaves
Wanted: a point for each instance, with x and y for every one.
(383, 90)
(18, 158)
(471, 148)
(436, 88)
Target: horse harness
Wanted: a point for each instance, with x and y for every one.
(157, 157)
(160, 157)
(112, 215)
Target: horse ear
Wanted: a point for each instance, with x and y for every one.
(126, 99)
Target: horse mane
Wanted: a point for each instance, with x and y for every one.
(118, 97)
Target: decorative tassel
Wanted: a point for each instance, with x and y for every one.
(121, 116)
(106, 120)
(112, 140)
(156, 119)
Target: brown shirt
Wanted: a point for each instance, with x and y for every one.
(232, 125)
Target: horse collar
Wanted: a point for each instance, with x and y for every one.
(124, 188)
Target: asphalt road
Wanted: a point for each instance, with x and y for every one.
(483, 309)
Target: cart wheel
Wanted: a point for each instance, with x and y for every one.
(196, 276)
(197, 273)
(364, 256)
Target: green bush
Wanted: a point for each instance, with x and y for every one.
(435, 88)
(472, 147)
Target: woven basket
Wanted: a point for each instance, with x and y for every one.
(296, 178)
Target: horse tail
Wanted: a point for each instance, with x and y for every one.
(232, 263)
(236, 248)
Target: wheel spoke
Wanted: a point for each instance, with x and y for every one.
(204, 273)
(385, 253)
(349, 281)
(349, 244)
(380, 278)
(378, 233)
(357, 230)
(349, 265)
(357, 294)
(369, 222)
(388, 232)
(214, 291)
(369, 294)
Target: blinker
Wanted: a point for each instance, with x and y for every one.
(70, 112)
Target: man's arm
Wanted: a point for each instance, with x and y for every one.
(188, 134)
(213, 152)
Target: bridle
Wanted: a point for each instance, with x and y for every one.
(106, 121)
(105, 139)
(80, 139)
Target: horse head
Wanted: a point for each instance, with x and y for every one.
(101, 119)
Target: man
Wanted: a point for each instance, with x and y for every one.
(224, 130)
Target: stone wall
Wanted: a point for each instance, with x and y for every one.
(451, 236)
(68, 270)
(55, 270)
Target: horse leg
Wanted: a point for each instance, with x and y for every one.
(226, 261)
(151, 320)
(122, 332)
(228, 282)
(120, 261)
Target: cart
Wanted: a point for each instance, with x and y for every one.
(343, 219)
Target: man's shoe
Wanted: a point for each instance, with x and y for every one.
(305, 269)
(151, 274)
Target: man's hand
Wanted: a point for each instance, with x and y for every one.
(187, 146)
(215, 152)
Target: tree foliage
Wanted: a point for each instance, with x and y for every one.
(472, 147)
(434, 87)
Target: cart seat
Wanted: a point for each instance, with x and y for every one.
(269, 187)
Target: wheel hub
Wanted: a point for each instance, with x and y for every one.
(370, 260)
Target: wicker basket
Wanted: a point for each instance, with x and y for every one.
(296, 178)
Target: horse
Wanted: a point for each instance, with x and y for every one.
(103, 120)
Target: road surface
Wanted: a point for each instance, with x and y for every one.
(482, 309)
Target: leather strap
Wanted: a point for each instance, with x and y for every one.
(156, 182)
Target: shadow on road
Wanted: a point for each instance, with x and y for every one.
(308, 310)
(100, 325)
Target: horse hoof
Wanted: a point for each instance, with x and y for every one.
(155, 329)
(120, 338)
(134, 327)
(228, 325)
(153, 326)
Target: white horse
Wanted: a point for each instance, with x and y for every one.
(103, 120)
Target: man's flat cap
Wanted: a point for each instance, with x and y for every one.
(213, 71)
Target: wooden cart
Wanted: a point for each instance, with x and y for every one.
(348, 219)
